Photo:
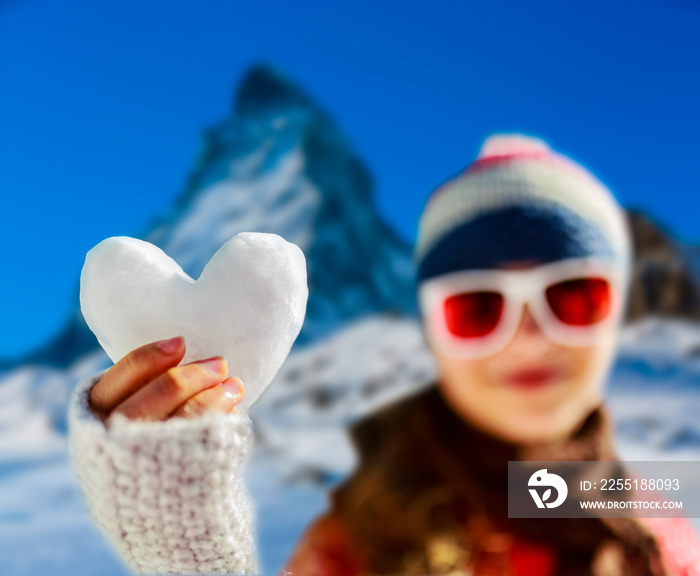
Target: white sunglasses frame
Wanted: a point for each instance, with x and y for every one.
(519, 287)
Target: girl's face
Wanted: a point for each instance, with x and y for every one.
(534, 390)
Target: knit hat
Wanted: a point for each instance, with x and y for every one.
(519, 201)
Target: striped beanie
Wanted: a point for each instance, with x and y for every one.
(519, 201)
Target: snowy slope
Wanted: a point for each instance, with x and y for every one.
(303, 450)
(655, 391)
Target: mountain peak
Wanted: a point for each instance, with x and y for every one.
(264, 90)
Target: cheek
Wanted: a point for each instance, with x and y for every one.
(468, 387)
(464, 376)
(589, 366)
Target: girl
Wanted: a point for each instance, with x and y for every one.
(523, 270)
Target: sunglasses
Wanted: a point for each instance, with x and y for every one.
(476, 313)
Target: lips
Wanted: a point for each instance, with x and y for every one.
(533, 377)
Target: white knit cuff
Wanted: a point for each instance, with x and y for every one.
(168, 495)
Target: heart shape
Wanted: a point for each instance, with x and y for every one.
(248, 304)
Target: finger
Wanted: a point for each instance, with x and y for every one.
(159, 398)
(222, 398)
(135, 370)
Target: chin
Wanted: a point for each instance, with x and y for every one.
(533, 435)
(539, 428)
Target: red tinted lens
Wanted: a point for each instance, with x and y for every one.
(473, 314)
(580, 302)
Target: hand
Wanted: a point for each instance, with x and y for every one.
(147, 384)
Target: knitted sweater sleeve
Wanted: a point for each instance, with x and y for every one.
(167, 495)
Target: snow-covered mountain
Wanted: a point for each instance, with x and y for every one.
(277, 164)
(280, 164)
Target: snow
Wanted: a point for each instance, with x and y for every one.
(281, 201)
(247, 306)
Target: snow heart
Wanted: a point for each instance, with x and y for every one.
(248, 304)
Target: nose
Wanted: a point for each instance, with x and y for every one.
(529, 339)
(528, 323)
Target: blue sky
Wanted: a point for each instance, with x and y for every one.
(102, 106)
